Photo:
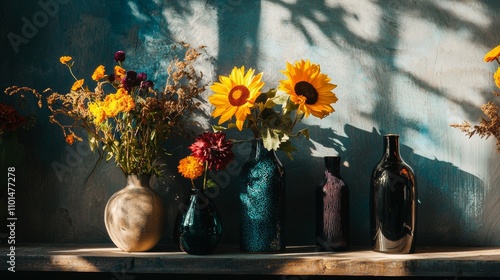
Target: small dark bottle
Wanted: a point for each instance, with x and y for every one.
(393, 202)
(332, 209)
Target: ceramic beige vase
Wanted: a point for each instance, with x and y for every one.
(134, 216)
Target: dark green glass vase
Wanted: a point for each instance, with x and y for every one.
(262, 199)
(200, 227)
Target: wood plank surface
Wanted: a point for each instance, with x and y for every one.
(447, 262)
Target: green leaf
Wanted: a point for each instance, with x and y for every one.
(271, 93)
(288, 148)
(93, 143)
(281, 98)
(109, 156)
(271, 139)
(231, 125)
(289, 106)
(304, 132)
(217, 128)
(210, 184)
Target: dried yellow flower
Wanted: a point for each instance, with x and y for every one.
(119, 72)
(65, 59)
(78, 84)
(98, 73)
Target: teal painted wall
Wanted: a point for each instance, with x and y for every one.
(406, 67)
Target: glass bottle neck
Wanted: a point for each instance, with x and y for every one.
(332, 164)
(391, 147)
(258, 149)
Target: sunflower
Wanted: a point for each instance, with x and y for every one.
(235, 95)
(309, 88)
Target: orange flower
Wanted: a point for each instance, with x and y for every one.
(492, 55)
(119, 72)
(190, 167)
(78, 84)
(65, 59)
(121, 91)
(70, 139)
(98, 73)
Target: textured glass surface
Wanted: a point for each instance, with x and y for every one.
(262, 197)
(200, 227)
(332, 209)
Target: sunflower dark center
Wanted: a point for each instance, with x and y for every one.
(308, 91)
(238, 95)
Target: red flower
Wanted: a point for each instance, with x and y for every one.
(120, 56)
(10, 119)
(214, 149)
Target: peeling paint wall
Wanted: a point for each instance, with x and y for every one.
(406, 67)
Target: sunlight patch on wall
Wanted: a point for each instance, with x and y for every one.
(136, 13)
(439, 62)
(471, 11)
(197, 27)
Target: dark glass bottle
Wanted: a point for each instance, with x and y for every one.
(200, 227)
(332, 209)
(393, 202)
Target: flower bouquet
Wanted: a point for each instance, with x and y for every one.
(200, 227)
(306, 92)
(491, 126)
(271, 117)
(127, 120)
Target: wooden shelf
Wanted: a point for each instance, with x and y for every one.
(443, 262)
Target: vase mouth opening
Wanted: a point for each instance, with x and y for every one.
(332, 157)
(391, 135)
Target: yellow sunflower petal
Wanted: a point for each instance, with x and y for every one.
(492, 55)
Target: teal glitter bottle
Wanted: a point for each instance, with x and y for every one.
(262, 202)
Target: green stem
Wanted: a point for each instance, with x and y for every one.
(295, 121)
(71, 72)
(205, 175)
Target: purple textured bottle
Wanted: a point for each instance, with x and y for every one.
(332, 209)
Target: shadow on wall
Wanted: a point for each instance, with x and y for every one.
(443, 190)
(451, 201)
(380, 40)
